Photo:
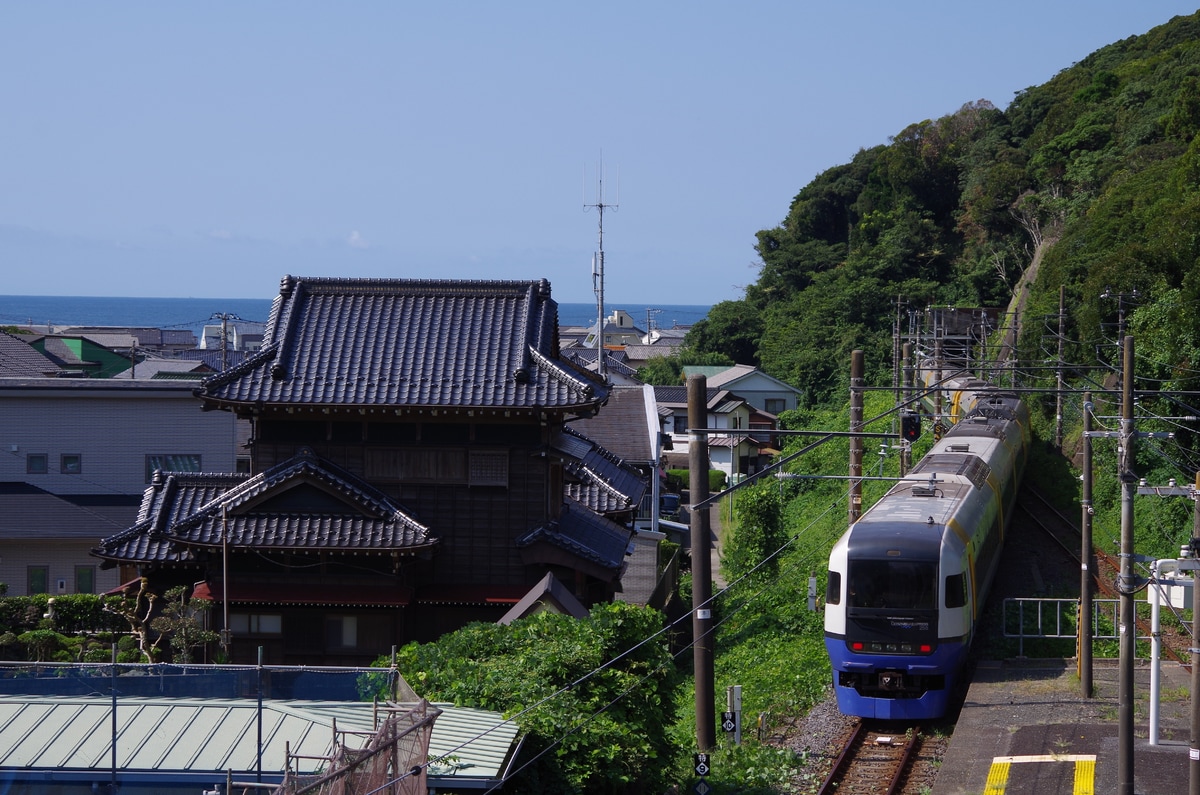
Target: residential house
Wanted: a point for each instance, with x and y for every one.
(98, 356)
(764, 392)
(616, 367)
(163, 341)
(733, 449)
(76, 455)
(410, 472)
(632, 427)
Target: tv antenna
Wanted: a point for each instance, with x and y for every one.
(598, 267)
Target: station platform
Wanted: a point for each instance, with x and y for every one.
(1025, 727)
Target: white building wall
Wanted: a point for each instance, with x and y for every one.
(113, 426)
(60, 557)
(112, 431)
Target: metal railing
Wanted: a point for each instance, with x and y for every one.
(1050, 619)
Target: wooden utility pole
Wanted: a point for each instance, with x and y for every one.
(701, 537)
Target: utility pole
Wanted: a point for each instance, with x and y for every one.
(701, 537)
(1125, 583)
(856, 425)
(1058, 397)
(1194, 746)
(598, 274)
(224, 317)
(1086, 555)
(905, 446)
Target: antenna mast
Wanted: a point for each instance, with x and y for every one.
(598, 273)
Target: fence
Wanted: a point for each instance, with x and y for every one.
(1058, 619)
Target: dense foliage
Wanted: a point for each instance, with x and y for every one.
(594, 697)
(1101, 162)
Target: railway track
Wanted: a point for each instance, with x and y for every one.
(1104, 567)
(873, 761)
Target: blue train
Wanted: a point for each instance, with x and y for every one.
(908, 580)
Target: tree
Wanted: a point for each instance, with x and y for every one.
(179, 620)
(759, 534)
(593, 696)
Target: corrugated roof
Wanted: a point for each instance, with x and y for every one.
(410, 343)
(70, 734)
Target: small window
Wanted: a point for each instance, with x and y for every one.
(833, 588)
(680, 425)
(71, 463)
(488, 468)
(85, 579)
(341, 632)
(37, 580)
(175, 462)
(956, 590)
(256, 623)
(775, 405)
(37, 464)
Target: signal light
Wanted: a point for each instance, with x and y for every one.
(910, 427)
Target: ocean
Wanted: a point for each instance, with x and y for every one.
(195, 313)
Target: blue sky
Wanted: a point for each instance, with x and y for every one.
(207, 149)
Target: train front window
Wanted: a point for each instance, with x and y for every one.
(892, 584)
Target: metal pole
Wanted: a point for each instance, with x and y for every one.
(905, 447)
(1125, 585)
(258, 765)
(1086, 555)
(701, 536)
(1058, 399)
(856, 425)
(1194, 745)
(113, 786)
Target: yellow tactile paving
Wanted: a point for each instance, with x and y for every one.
(1085, 771)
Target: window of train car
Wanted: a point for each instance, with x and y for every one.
(833, 588)
(956, 590)
(893, 584)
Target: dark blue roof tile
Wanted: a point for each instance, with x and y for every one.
(410, 343)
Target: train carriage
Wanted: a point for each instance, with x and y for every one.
(908, 580)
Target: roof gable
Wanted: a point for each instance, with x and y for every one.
(410, 343)
(303, 503)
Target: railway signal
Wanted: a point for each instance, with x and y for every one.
(910, 427)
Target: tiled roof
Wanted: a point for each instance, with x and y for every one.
(615, 362)
(339, 511)
(595, 477)
(410, 343)
(583, 533)
(623, 426)
(678, 396)
(21, 360)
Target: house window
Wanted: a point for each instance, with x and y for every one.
(256, 623)
(775, 405)
(341, 632)
(681, 425)
(71, 463)
(85, 579)
(37, 464)
(172, 462)
(37, 580)
(488, 468)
